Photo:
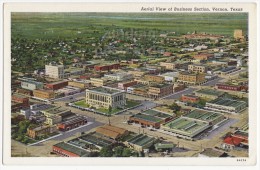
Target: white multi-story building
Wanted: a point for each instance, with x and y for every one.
(54, 71)
(105, 97)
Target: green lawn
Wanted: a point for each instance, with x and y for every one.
(82, 103)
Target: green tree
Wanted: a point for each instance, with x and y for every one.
(106, 152)
(127, 152)
(118, 151)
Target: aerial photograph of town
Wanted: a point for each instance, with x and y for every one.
(129, 84)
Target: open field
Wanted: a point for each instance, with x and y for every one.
(86, 25)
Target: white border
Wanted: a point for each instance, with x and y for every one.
(123, 7)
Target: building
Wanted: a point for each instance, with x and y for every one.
(68, 150)
(189, 98)
(106, 67)
(44, 94)
(213, 118)
(238, 34)
(170, 76)
(125, 85)
(168, 66)
(197, 68)
(54, 71)
(78, 84)
(57, 85)
(228, 70)
(24, 100)
(39, 131)
(186, 127)
(237, 139)
(69, 90)
(98, 82)
(119, 76)
(231, 87)
(112, 132)
(191, 78)
(141, 142)
(154, 78)
(160, 90)
(24, 92)
(226, 105)
(30, 83)
(56, 111)
(52, 120)
(209, 94)
(105, 97)
(151, 118)
(19, 102)
(210, 152)
(203, 56)
(72, 122)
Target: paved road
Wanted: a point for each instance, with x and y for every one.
(213, 82)
(70, 97)
(177, 95)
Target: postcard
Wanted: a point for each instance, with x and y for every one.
(130, 84)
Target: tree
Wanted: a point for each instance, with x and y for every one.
(127, 152)
(175, 107)
(109, 109)
(118, 151)
(106, 152)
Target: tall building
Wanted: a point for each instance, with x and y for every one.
(105, 97)
(197, 68)
(191, 78)
(54, 71)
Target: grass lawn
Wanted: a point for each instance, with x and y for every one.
(82, 103)
(131, 103)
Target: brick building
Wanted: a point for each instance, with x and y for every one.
(154, 78)
(124, 85)
(67, 150)
(197, 68)
(203, 56)
(44, 94)
(189, 98)
(107, 67)
(57, 85)
(230, 87)
(72, 122)
(40, 131)
(160, 90)
(191, 78)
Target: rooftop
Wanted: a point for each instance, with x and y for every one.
(94, 138)
(141, 140)
(72, 149)
(210, 92)
(186, 125)
(160, 85)
(156, 113)
(147, 118)
(227, 102)
(203, 115)
(106, 90)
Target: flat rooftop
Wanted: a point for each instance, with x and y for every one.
(72, 149)
(156, 113)
(148, 118)
(186, 125)
(141, 140)
(106, 90)
(55, 110)
(160, 85)
(227, 102)
(210, 92)
(203, 115)
(94, 138)
(138, 86)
